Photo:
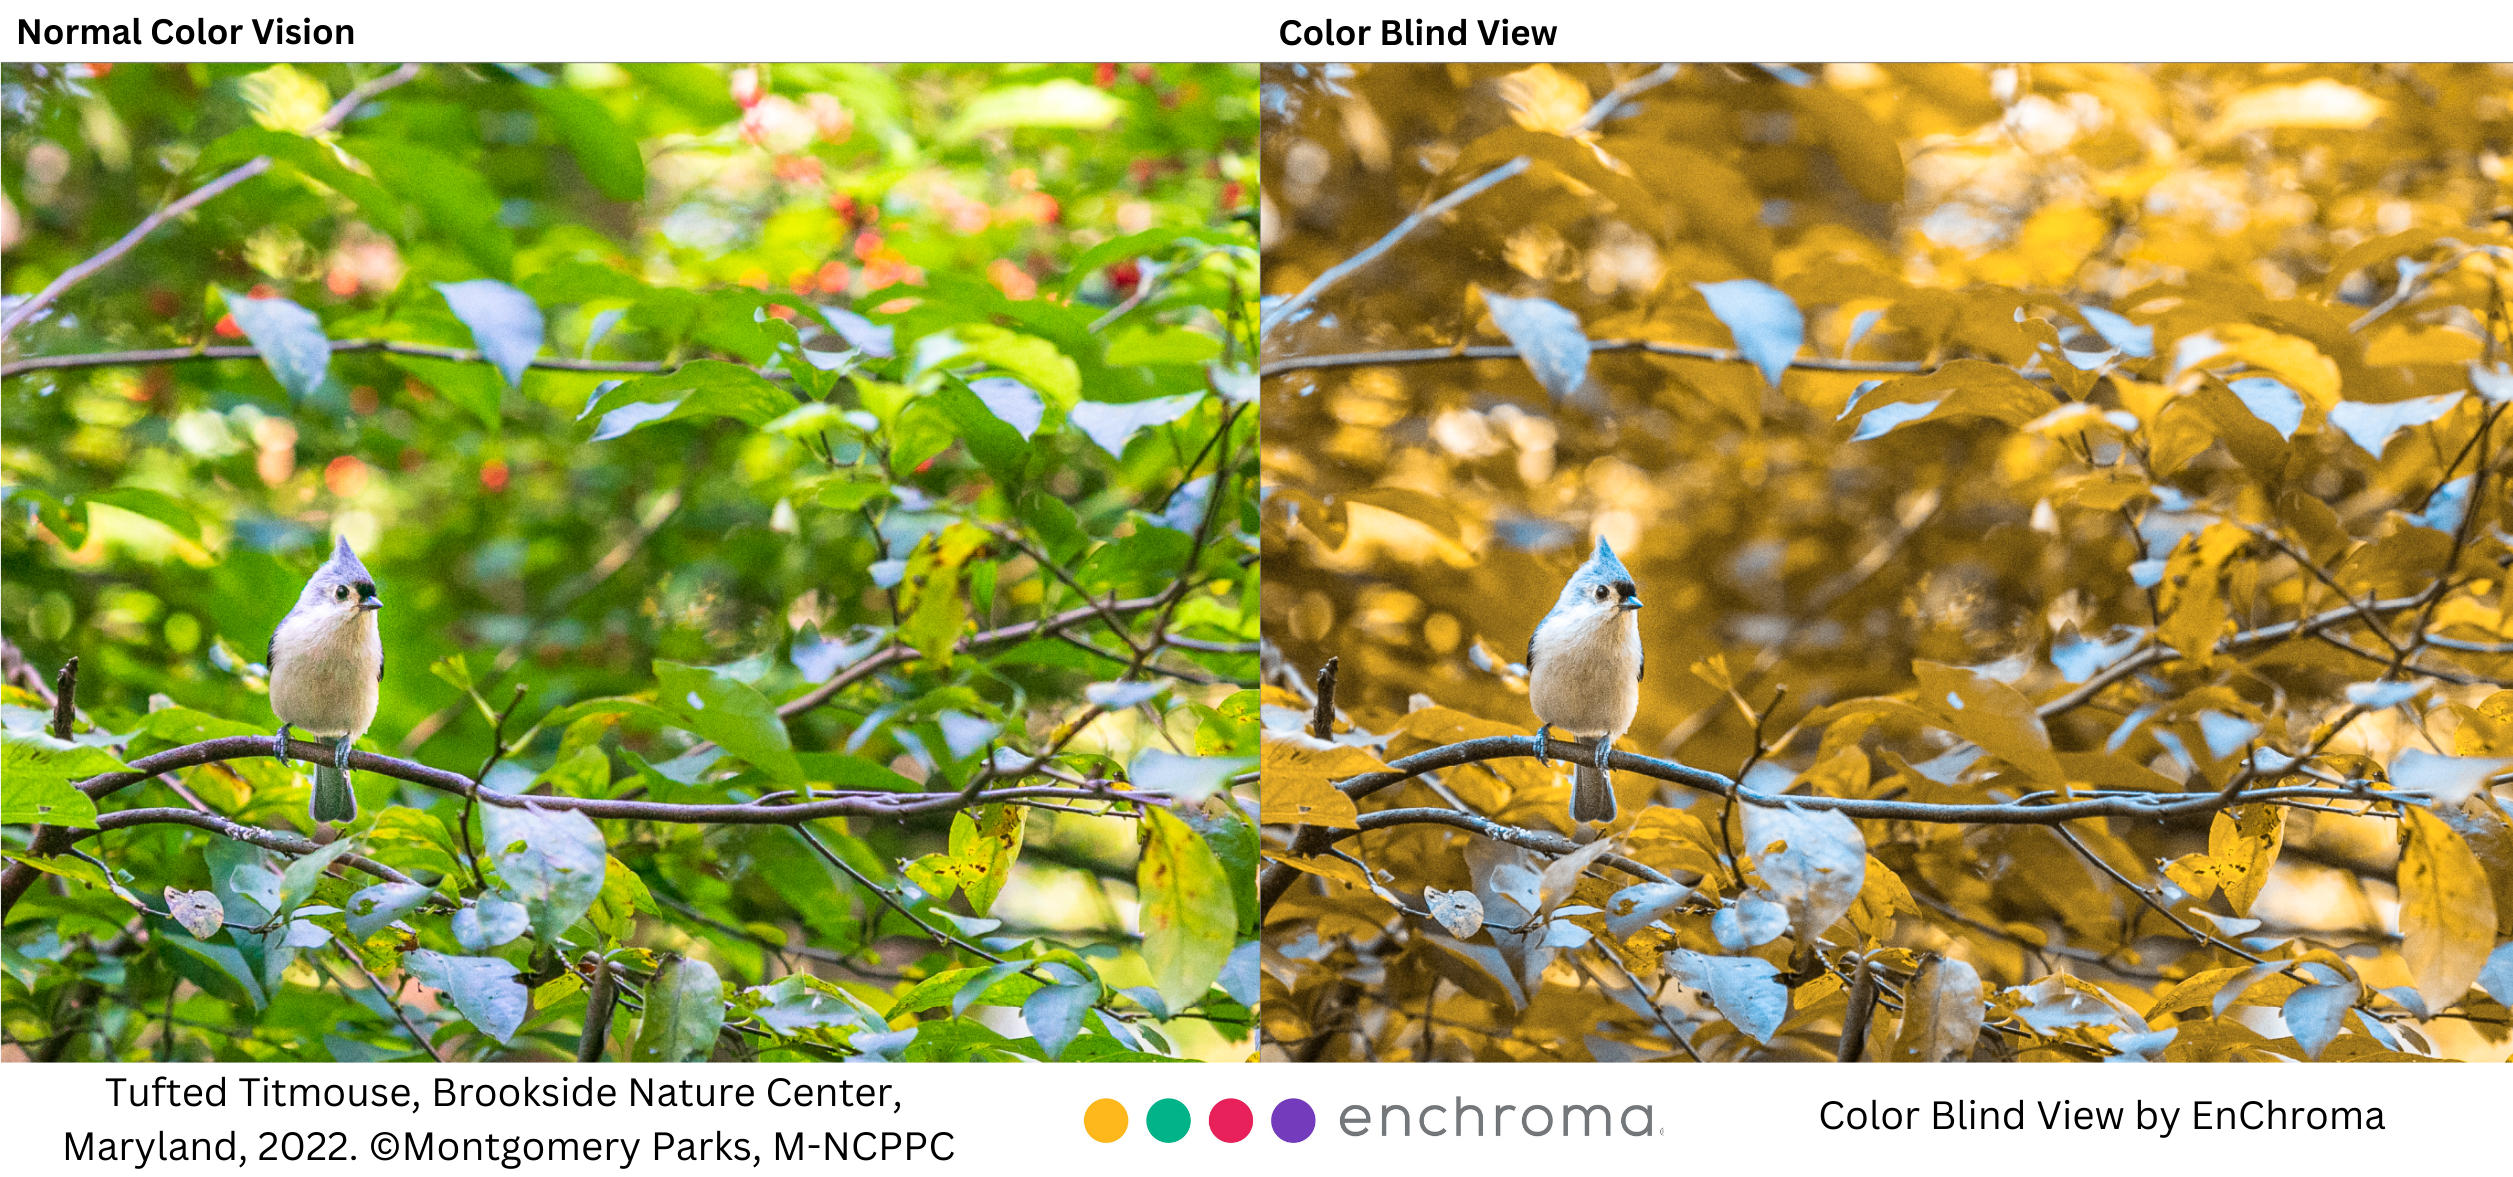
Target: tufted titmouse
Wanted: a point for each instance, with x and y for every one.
(326, 661)
(1583, 672)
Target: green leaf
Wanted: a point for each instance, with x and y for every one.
(1063, 102)
(296, 883)
(453, 198)
(371, 909)
(505, 323)
(604, 149)
(219, 970)
(157, 505)
(480, 988)
(731, 713)
(1032, 360)
(40, 771)
(700, 388)
(997, 445)
(413, 841)
(1166, 345)
(988, 844)
(289, 337)
(551, 860)
(684, 1012)
(474, 388)
(584, 773)
(1189, 918)
(935, 613)
(614, 911)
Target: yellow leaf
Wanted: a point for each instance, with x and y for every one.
(1542, 98)
(2293, 360)
(2244, 841)
(1324, 866)
(1298, 788)
(2447, 915)
(2192, 595)
(2320, 103)
(1989, 713)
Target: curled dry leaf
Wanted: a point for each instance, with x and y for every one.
(1458, 911)
(199, 912)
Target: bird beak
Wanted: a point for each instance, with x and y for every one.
(369, 604)
(1631, 602)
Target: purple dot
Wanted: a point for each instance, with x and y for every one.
(1294, 1120)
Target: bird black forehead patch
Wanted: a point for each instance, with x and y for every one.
(1626, 589)
(366, 588)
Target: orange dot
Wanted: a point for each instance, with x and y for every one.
(1105, 1121)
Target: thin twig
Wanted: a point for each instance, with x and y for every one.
(391, 1001)
(339, 112)
(1283, 311)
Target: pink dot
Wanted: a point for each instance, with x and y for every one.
(1231, 1121)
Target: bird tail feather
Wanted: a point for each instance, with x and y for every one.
(335, 801)
(1592, 794)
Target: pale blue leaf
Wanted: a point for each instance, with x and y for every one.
(1117, 696)
(494, 920)
(552, 862)
(2372, 426)
(2315, 1013)
(504, 322)
(481, 988)
(373, 908)
(1887, 418)
(2447, 507)
(873, 339)
(2079, 657)
(2495, 384)
(290, 339)
(1187, 778)
(1054, 1016)
(2280, 407)
(966, 735)
(1548, 337)
(2496, 976)
(1012, 402)
(1111, 426)
(2381, 694)
(2118, 331)
(2225, 734)
(1745, 989)
(1766, 322)
(2447, 781)
(1241, 979)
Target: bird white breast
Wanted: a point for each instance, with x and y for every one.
(323, 671)
(1604, 647)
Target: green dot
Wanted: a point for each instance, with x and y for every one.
(1169, 1121)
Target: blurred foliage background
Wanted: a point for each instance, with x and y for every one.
(804, 340)
(2237, 327)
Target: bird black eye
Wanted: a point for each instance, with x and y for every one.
(1601, 592)
(340, 592)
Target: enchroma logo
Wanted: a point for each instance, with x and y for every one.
(1293, 1121)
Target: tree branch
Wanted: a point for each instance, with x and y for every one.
(1288, 307)
(177, 355)
(339, 113)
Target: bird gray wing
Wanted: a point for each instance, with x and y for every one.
(1644, 667)
(1531, 652)
(379, 668)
